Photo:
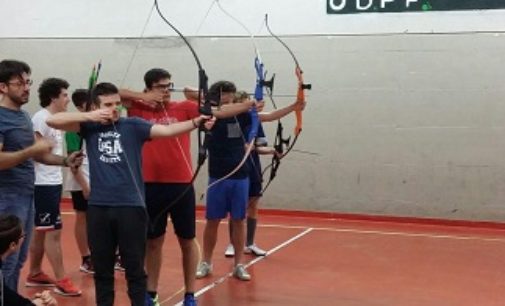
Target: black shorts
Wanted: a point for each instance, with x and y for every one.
(255, 181)
(47, 200)
(78, 201)
(255, 188)
(182, 213)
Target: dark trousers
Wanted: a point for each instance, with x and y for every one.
(108, 229)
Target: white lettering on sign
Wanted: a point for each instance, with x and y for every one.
(360, 7)
(383, 3)
(410, 1)
(363, 5)
(337, 7)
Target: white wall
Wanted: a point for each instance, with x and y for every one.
(399, 124)
(126, 18)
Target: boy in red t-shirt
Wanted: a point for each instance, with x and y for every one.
(167, 170)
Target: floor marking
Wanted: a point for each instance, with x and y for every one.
(370, 232)
(182, 289)
(383, 233)
(256, 260)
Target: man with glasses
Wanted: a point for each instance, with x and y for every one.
(18, 150)
(167, 173)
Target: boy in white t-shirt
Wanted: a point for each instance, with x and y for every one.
(48, 187)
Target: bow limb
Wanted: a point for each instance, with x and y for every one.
(302, 86)
(300, 97)
(242, 162)
(206, 108)
(258, 92)
(260, 75)
(203, 89)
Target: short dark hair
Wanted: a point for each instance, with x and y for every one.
(80, 97)
(11, 68)
(102, 89)
(10, 231)
(218, 88)
(51, 88)
(155, 75)
(222, 86)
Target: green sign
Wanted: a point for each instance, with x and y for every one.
(398, 6)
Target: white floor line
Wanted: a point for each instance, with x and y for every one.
(382, 233)
(252, 262)
(414, 235)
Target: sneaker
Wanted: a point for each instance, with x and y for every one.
(152, 302)
(230, 251)
(148, 301)
(87, 266)
(118, 266)
(241, 273)
(255, 250)
(203, 270)
(40, 279)
(65, 287)
(156, 301)
(189, 300)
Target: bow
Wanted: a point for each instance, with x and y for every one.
(206, 108)
(203, 90)
(258, 96)
(300, 95)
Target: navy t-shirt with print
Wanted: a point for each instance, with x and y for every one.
(16, 133)
(115, 161)
(226, 147)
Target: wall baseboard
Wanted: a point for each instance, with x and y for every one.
(67, 204)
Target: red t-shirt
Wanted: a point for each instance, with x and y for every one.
(167, 160)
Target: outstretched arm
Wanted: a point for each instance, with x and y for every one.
(281, 112)
(230, 110)
(72, 121)
(160, 130)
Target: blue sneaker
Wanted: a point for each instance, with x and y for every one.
(148, 300)
(152, 302)
(189, 300)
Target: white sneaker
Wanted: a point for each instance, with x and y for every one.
(230, 251)
(203, 270)
(254, 249)
(240, 273)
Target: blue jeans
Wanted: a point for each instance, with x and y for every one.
(20, 205)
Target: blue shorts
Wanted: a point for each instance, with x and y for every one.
(47, 200)
(228, 196)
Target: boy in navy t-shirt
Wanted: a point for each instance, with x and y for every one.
(227, 149)
(117, 216)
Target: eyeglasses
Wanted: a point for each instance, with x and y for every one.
(21, 83)
(169, 86)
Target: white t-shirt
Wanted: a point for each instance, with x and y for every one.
(71, 183)
(44, 174)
